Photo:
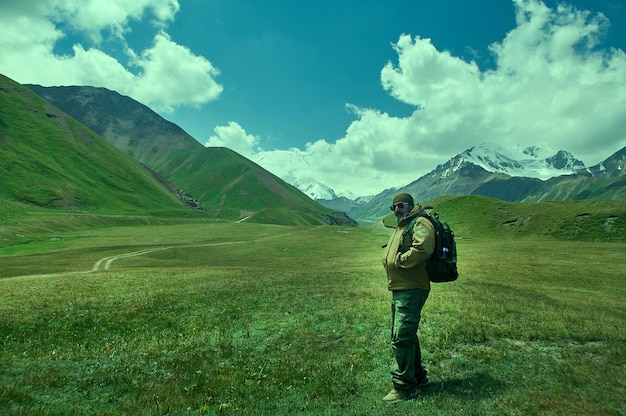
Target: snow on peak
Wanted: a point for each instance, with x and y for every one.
(314, 189)
(294, 167)
(531, 162)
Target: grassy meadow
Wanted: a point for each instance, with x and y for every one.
(205, 318)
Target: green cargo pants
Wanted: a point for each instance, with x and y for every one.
(406, 309)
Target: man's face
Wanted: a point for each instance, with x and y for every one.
(400, 208)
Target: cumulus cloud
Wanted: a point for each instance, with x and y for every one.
(93, 16)
(551, 87)
(164, 76)
(234, 137)
(172, 76)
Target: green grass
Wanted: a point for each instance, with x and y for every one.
(257, 319)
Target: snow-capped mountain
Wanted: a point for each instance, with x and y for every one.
(516, 174)
(314, 189)
(513, 176)
(531, 162)
(294, 167)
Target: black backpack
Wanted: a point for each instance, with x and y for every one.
(441, 265)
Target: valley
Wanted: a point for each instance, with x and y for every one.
(146, 271)
(203, 284)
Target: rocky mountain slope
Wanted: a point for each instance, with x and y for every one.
(128, 125)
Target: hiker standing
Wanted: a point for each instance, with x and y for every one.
(404, 261)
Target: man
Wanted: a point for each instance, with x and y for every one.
(404, 260)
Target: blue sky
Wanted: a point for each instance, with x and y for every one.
(357, 90)
(290, 70)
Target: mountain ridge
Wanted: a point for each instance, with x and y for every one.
(531, 162)
(467, 178)
(225, 183)
(467, 174)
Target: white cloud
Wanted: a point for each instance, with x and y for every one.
(94, 16)
(167, 75)
(172, 76)
(551, 87)
(234, 137)
(426, 76)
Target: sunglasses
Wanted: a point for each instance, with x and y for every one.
(398, 205)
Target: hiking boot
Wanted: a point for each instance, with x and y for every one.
(396, 396)
(425, 382)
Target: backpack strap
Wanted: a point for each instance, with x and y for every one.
(410, 226)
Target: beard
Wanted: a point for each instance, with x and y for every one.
(399, 215)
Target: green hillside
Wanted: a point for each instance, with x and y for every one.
(477, 217)
(581, 187)
(49, 160)
(235, 188)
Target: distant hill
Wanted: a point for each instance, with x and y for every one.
(48, 159)
(479, 217)
(237, 188)
(227, 184)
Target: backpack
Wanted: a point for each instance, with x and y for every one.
(441, 265)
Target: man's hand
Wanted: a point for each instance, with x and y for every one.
(397, 261)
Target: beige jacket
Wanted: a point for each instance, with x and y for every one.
(404, 258)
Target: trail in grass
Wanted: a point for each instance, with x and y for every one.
(106, 262)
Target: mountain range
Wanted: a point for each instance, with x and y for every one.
(481, 171)
(106, 153)
(531, 162)
(514, 175)
(528, 174)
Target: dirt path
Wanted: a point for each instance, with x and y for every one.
(106, 262)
